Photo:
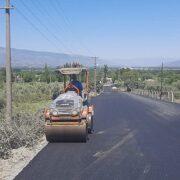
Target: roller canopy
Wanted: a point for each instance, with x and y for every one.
(69, 71)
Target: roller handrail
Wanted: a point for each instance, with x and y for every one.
(71, 86)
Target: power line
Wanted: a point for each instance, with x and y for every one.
(66, 20)
(52, 21)
(47, 29)
(69, 24)
(56, 8)
(46, 13)
(54, 24)
(37, 29)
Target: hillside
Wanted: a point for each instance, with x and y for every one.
(27, 58)
(173, 64)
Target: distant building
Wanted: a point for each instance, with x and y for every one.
(109, 80)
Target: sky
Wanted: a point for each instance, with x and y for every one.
(133, 32)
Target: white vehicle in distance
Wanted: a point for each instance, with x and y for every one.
(114, 88)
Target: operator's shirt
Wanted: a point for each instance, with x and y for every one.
(78, 85)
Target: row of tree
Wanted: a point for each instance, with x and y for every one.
(32, 75)
(129, 77)
(141, 79)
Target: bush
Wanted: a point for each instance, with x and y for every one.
(177, 84)
(2, 103)
(2, 100)
(34, 92)
(24, 130)
(26, 127)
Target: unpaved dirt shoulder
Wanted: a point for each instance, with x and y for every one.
(21, 157)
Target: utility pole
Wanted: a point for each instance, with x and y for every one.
(162, 68)
(8, 63)
(50, 77)
(95, 75)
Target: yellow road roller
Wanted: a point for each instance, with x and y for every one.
(70, 117)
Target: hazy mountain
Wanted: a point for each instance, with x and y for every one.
(173, 64)
(27, 58)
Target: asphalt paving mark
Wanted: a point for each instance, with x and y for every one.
(100, 132)
(102, 155)
(105, 154)
(147, 168)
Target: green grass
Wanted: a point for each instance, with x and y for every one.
(32, 107)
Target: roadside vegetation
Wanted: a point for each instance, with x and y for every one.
(147, 80)
(30, 97)
(32, 91)
(27, 125)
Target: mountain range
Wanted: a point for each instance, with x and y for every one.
(37, 59)
(173, 64)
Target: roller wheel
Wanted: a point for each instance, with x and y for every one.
(67, 133)
(90, 123)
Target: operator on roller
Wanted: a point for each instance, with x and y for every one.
(77, 83)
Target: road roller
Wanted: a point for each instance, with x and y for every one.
(70, 116)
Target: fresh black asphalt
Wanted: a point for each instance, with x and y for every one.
(135, 138)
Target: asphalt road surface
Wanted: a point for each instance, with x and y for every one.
(135, 138)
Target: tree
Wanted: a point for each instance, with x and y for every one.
(2, 75)
(46, 74)
(115, 75)
(130, 78)
(105, 71)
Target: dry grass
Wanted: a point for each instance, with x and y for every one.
(27, 124)
(24, 130)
